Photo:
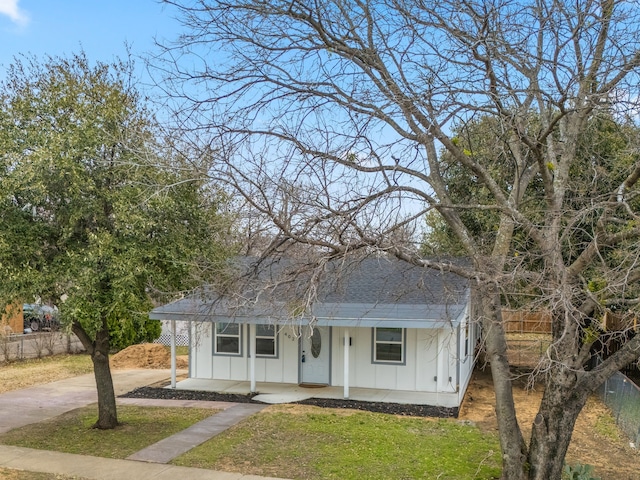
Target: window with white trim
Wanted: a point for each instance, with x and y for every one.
(227, 339)
(266, 341)
(388, 345)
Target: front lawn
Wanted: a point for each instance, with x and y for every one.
(290, 441)
(27, 373)
(299, 442)
(72, 433)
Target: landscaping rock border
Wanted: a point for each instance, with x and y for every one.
(378, 407)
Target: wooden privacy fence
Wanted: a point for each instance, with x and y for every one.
(11, 320)
(527, 353)
(522, 321)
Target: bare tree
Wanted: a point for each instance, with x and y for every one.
(332, 117)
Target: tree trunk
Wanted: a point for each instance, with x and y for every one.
(553, 426)
(514, 449)
(99, 351)
(107, 414)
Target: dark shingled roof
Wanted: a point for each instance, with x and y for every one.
(381, 292)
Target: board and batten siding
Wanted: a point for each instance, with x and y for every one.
(430, 360)
(426, 367)
(282, 369)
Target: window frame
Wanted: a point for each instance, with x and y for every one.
(402, 343)
(216, 335)
(273, 337)
(467, 339)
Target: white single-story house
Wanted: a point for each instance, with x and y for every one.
(377, 323)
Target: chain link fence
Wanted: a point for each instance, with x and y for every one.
(622, 396)
(619, 393)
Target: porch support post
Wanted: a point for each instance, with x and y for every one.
(173, 354)
(346, 363)
(190, 326)
(252, 359)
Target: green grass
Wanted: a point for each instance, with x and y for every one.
(181, 350)
(313, 443)
(287, 441)
(605, 425)
(72, 432)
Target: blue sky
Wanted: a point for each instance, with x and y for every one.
(100, 27)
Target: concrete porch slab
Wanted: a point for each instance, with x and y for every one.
(296, 392)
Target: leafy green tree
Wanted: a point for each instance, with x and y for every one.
(605, 155)
(131, 331)
(489, 144)
(97, 216)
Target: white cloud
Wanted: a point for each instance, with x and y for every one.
(11, 9)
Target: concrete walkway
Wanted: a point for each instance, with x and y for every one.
(97, 468)
(171, 447)
(35, 404)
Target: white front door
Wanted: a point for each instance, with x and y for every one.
(315, 355)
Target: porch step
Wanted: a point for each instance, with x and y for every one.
(274, 398)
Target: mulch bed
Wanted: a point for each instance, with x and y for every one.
(383, 407)
(378, 407)
(172, 394)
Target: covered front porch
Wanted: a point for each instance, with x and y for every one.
(288, 392)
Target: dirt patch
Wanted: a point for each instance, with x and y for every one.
(9, 474)
(609, 452)
(146, 355)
